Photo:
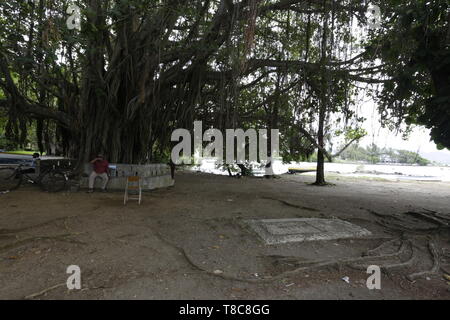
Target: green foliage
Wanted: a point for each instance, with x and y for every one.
(141, 68)
(374, 154)
(414, 45)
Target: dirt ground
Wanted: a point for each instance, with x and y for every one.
(190, 242)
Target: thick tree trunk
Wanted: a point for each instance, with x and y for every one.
(320, 175)
(93, 97)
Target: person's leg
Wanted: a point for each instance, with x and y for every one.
(92, 180)
(28, 171)
(105, 179)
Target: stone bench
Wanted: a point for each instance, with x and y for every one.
(153, 176)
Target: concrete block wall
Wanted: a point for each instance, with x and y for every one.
(153, 176)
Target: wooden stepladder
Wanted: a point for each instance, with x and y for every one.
(134, 189)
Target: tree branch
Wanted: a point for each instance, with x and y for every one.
(345, 147)
(314, 142)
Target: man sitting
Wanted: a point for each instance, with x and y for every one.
(34, 164)
(101, 169)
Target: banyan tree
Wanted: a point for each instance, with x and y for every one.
(139, 69)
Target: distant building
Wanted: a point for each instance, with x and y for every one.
(386, 158)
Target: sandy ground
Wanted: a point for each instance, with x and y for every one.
(170, 246)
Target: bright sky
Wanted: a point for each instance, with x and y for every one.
(419, 139)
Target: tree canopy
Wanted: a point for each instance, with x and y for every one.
(414, 43)
(139, 69)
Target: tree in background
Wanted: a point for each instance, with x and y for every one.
(374, 154)
(414, 47)
(141, 68)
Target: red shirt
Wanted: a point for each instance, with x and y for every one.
(101, 166)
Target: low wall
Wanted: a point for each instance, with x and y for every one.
(153, 176)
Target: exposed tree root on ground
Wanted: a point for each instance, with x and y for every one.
(413, 221)
(376, 250)
(301, 265)
(436, 264)
(410, 226)
(43, 224)
(440, 220)
(405, 246)
(260, 280)
(402, 257)
(47, 290)
(9, 234)
(61, 238)
(42, 292)
(289, 204)
(324, 184)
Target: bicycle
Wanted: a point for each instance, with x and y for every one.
(49, 179)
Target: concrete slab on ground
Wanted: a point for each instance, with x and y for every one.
(279, 231)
